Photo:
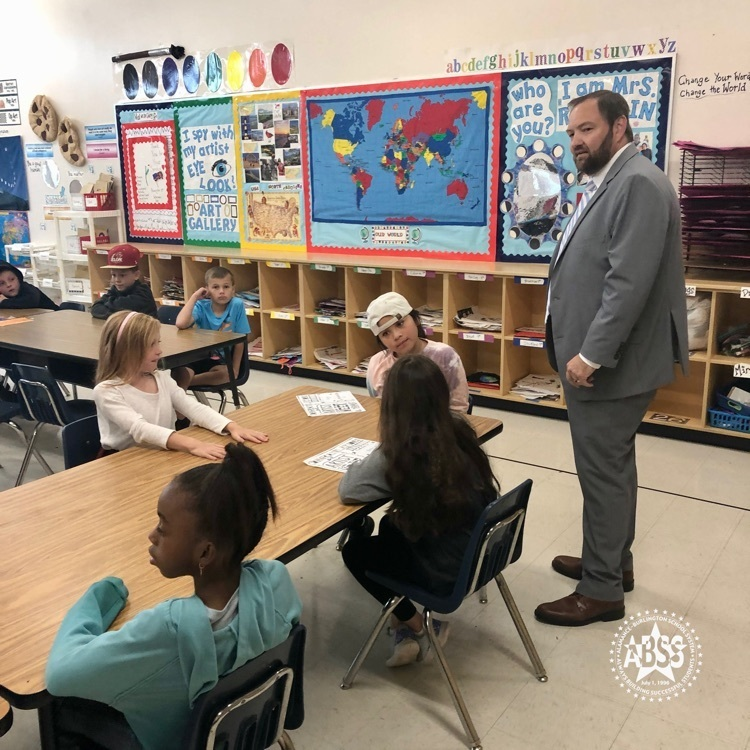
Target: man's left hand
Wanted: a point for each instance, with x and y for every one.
(579, 374)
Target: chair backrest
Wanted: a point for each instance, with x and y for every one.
(80, 441)
(495, 542)
(72, 306)
(249, 708)
(40, 395)
(242, 375)
(167, 314)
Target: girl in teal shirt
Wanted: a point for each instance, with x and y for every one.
(153, 668)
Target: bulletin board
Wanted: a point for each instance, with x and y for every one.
(208, 172)
(407, 168)
(151, 184)
(272, 215)
(538, 174)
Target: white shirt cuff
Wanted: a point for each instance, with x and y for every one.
(589, 362)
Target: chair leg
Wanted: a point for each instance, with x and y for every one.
(483, 595)
(510, 603)
(243, 399)
(285, 741)
(27, 455)
(222, 402)
(201, 398)
(458, 701)
(342, 540)
(351, 673)
(22, 436)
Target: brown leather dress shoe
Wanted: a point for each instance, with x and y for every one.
(571, 567)
(576, 609)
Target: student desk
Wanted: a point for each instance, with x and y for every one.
(65, 531)
(68, 342)
(23, 313)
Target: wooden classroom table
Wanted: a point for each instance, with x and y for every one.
(23, 312)
(61, 533)
(68, 342)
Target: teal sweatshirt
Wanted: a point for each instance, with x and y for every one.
(156, 665)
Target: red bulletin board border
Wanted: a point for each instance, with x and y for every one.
(494, 81)
(169, 138)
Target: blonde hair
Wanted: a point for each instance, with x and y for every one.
(123, 345)
(218, 272)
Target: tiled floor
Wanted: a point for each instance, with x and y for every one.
(692, 556)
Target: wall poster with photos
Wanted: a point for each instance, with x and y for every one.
(270, 173)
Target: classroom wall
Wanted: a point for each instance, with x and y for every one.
(64, 50)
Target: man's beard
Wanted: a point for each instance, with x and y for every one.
(596, 160)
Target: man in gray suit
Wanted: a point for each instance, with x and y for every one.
(616, 324)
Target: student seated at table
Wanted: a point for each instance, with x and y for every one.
(215, 308)
(432, 465)
(17, 294)
(399, 330)
(127, 292)
(154, 667)
(136, 402)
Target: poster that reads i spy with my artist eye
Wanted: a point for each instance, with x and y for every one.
(269, 171)
(206, 151)
(539, 183)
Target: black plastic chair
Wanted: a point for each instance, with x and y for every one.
(81, 442)
(42, 402)
(220, 390)
(250, 708)
(167, 314)
(79, 306)
(495, 543)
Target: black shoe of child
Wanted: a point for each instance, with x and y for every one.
(181, 424)
(362, 528)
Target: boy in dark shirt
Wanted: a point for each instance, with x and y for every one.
(17, 294)
(127, 292)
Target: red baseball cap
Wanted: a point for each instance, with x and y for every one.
(123, 256)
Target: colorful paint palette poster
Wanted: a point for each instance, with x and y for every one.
(209, 173)
(148, 152)
(403, 169)
(270, 171)
(538, 175)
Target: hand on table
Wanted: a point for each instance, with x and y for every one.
(212, 451)
(240, 434)
(579, 374)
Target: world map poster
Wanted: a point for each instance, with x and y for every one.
(539, 180)
(403, 169)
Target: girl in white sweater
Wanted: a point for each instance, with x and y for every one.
(136, 402)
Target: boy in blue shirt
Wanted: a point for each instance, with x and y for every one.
(215, 308)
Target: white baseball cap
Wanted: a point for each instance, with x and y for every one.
(392, 306)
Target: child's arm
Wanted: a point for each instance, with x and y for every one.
(455, 376)
(205, 416)
(364, 481)
(185, 316)
(86, 661)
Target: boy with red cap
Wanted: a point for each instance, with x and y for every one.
(127, 292)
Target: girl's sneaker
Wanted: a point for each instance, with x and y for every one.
(406, 650)
(442, 629)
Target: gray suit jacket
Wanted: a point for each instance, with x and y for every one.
(617, 294)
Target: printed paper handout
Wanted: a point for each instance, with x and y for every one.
(342, 456)
(337, 402)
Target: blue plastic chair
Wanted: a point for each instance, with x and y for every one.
(42, 402)
(496, 541)
(81, 441)
(252, 707)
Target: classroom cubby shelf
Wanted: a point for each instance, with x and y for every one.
(292, 284)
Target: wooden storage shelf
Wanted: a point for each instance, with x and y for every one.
(516, 293)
